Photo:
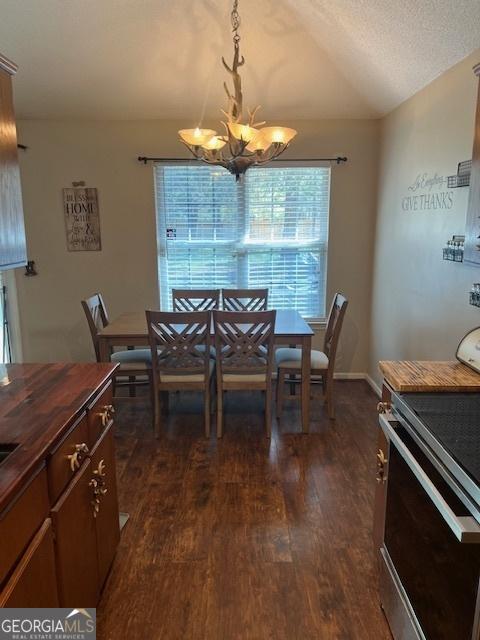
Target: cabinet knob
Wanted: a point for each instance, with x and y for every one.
(382, 461)
(98, 485)
(384, 407)
(106, 414)
(77, 456)
(100, 470)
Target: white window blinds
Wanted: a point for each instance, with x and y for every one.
(268, 230)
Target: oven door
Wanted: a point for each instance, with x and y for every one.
(432, 541)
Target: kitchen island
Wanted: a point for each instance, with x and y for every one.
(58, 499)
(427, 511)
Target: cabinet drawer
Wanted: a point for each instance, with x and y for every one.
(21, 520)
(100, 415)
(34, 583)
(67, 458)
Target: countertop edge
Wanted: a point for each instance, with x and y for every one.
(435, 376)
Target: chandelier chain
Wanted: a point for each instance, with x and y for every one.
(235, 19)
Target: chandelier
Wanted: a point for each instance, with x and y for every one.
(243, 144)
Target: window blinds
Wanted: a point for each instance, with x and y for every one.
(268, 230)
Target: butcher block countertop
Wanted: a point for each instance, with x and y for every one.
(38, 403)
(429, 376)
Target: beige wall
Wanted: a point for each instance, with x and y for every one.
(104, 155)
(420, 304)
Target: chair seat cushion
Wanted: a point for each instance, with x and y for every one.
(292, 359)
(131, 356)
(182, 377)
(244, 377)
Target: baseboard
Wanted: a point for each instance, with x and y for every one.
(349, 376)
(356, 376)
(360, 376)
(375, 387)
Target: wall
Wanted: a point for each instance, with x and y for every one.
(104, 155)
(420, 304)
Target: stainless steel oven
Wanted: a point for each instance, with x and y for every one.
(431, 544)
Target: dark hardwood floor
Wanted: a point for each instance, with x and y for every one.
(244, 538)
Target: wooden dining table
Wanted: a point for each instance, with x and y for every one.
(290, 329)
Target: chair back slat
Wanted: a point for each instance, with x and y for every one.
(334, 326)
(244, 299)
(244, 341)
(195, 299)
(180, 342)
(97, 318)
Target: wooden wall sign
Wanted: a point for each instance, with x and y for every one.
(82, 220)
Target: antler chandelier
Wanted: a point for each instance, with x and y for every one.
(243, 145)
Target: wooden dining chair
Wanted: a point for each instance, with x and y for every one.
(244, 346)
(195, 299)
(179, 345)
(134, 363)
(289, 361)
(244, 299)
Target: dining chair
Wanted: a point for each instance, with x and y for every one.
(134, 363)
(289, 361)
(244, 299)
(179, 344)
(195, 299)
(244, 346)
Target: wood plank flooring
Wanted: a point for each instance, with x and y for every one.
(245, 539)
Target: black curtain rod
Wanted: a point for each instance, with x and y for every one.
(338, 159)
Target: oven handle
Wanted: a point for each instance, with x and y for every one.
(465, 528)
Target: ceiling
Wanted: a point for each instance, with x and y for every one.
(136, 59)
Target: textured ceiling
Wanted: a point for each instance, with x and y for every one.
(134, 59)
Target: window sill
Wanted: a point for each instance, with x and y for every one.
(317, 323)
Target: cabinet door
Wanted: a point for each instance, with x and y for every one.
(12, 231)
(34, 583)
(75, 542)
(383, 454)
(107, 522)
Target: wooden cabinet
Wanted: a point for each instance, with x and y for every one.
(59, 521)
(105, 488)
(34, 582)
(76, 543)
(12, 231)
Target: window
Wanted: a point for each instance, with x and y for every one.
(268, 230)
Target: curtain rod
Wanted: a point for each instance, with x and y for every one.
(338, 159)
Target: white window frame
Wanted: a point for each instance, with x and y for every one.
(161, 224)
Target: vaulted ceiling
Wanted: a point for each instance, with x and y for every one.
(135, 59)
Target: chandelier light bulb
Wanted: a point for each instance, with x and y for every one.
(214, 144)
(196, 137)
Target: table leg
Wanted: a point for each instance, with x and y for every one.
(306, 359)
(104, 349)
(293, 377)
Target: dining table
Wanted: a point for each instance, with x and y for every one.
(130, 329)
